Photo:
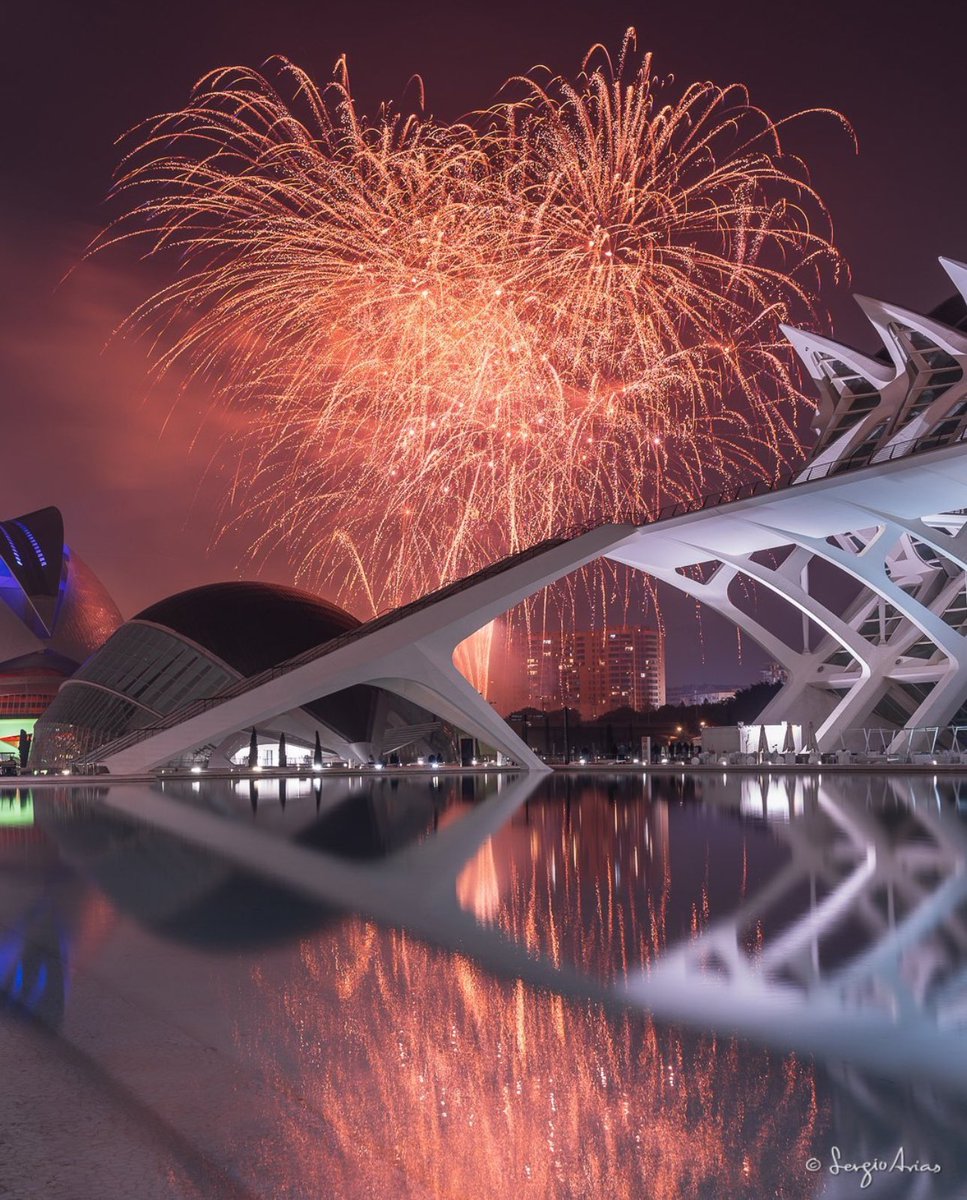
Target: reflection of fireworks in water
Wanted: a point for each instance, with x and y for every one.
(450, 1084)
(438, 1081)
(451, 341)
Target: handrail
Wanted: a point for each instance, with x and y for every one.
(743, 491)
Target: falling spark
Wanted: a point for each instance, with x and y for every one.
(449, 341)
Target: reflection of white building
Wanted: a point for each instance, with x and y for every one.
(856, 947)
(865, 551)
(853, 948)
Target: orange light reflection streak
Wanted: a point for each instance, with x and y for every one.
(435, 1081)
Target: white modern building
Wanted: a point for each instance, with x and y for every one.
(864, 552)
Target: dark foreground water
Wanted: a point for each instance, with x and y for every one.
(670, 988)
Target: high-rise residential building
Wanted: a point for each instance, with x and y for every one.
(596, 671)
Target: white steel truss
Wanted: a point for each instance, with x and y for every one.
(880, 508)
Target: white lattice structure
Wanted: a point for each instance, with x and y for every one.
(904, 664)
(864, 552)
(880, 638)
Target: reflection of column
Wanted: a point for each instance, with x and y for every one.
(786, 991)
(885, 999)
(660, 843)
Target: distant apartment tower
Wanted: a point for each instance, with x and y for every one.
(596, 671)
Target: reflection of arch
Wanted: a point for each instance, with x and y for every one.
(183, 892)
(885, 1002)
(864, 871)
(874, 1117)
(873, 967)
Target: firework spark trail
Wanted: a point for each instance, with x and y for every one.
(449, 341)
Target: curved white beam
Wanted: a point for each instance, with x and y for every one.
(809, 346)
(416, 645)
(882, 314)
(958, 274)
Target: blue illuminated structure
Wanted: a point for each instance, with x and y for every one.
(54, 613)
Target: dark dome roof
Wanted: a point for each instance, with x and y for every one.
(250, 626)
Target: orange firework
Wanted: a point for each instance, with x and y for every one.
(449, 341)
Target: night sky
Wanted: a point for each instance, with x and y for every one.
(83, 426)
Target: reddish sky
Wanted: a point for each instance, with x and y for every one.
(129, 468)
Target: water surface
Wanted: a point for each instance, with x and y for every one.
(482, 987)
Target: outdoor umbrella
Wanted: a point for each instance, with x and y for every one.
(788, 742)
(283, 761)
(763, 742)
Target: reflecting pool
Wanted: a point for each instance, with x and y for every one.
(655, 986)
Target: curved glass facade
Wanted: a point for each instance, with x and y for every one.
(194, 645)
(142, 673)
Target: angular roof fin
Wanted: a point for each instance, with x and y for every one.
(807, 345)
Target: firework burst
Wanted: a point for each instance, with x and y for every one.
(449, 341)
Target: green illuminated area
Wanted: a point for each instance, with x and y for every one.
(16, 809)
(10, 732)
